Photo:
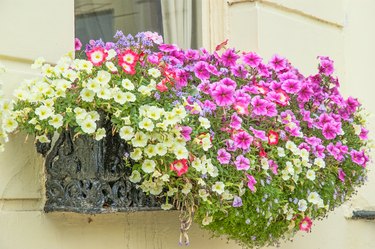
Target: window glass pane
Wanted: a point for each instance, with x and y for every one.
(179, 21)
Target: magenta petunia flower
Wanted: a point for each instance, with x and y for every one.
(229, 83)
(239, 71)
(229, 58)
(251, 182)
(259, 134)
(326, 65)
(259, 105)
(243, 140)
(77, 44)
(223, 156)
(352, 104)
(200, 70)
(252, 59)
(242, 163)
(277, 63)
(363, 134)
(235, 121)
(305, 93)
(273, 166)
(291, 86)
(185, 132)
(230, 144)
(168, 47)
(330, 130)
(271, 110)
(223, 95)
(359, 157)
(341, 174)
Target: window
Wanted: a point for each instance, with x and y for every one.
(179, 21)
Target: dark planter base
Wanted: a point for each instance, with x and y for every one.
(89, 176)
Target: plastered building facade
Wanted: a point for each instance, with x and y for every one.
(297, 29)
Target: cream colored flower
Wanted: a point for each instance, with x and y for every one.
(100, 134)
(147, 124)
(135, 177)
(127, 84)
(38, 63)
(129, 97)
(140, 139)
(161, 149)
(310, 174)
(166, 206)
(148, 166)
(204, 122)
(120, 97)
(154, 72)
(43, 112)
(181, 152)
(43, 139)
(126, 133)
(93, 85)
(320, 163)
(103, 77)
(104, 93)
(87, 95)
(150, 150)
(207, 220)
(136, 155)
(9, 124)
(111, 54)
(56, 121)
(88, 126)
(218, 187)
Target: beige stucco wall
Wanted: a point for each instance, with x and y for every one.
(299, 30)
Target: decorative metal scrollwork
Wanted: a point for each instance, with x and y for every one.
(89, 176)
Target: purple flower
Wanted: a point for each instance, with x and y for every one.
(237, 201)
(330, 130)
(223, 156)
(231, 146)
(242, 163)
(326, 65)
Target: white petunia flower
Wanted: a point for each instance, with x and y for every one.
(140, 139)
(205, 123)
(111, 54)
(88, 126)
(161, 149)
(147, 124)
(310, 174)
(320, 162)
(181, 152)
(129, 97)
(127, 84)
(43, 139)
(38, 63)
(280, 152)
(56, 121)
(111, 67)
(135, 177)
(218, 187)
(100, 134)
(314, 198)
(9, 124)
(103, 77)
(302, 205)
(136, 155)
(104, 93)
(150, 150)
(148, 166)
(154, 72)
(207, 220)
(166, 206)
(126, 133)
(43, 112)
(87, 95)
(120, 97)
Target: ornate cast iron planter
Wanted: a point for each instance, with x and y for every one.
(89, 176)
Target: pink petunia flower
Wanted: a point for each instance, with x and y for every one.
(273, 166)
(242, 163)
(235, 122)
(341, 174)
(251, 182)
(229, 58)
(223, 156)
(259, 134)
(129, 57)
(363, 134)
(77, 44)
(242, 140)
(305, 224)
(330, 130)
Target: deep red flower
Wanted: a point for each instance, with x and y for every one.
(273, 137)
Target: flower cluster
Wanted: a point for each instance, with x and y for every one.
(254, 149)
